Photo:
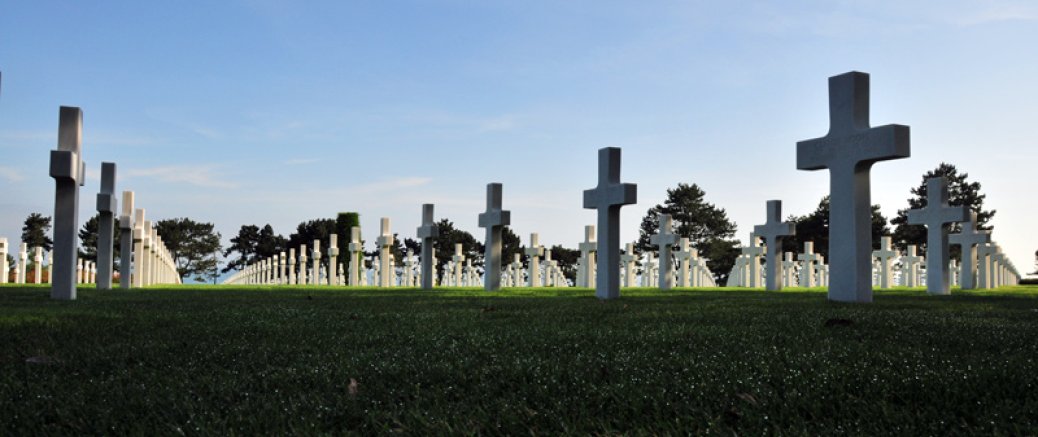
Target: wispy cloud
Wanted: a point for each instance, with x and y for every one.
(11, 174)
(198, 175)
(301, 161)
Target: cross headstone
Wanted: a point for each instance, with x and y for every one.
(493, 219)
(139, 261)
(333, 256)
(517, 269)
(316, 262)
(69, 173)
(937, 215)
(385, 244)
(773, 231)
(5, 269)
(753, 252)
(409, 268)
(37, 261)
(588, 249)
(968, 239)
(684, 257)
(459, 260)
(788, 269)
(985, 252)
(665, 239)
(302, 276)
(126, 241)
(807, 270)
(628, 259)
(910, 272)
(356, 249)
(849, 150)
(106, 208)
(607, 198)
(886, 256)
(427, 232)
(535, 251)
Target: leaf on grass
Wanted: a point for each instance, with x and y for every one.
(749, 398)
(352, 388)
(41, 360)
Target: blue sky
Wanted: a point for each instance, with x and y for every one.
(255, 112)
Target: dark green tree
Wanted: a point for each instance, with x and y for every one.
(705, 225)
(511, 244)
(815, 227)
(191, 244)
(36, 231)
(88, 236)
(269, 243)
(244, 245)
(960, 192)
(308, 231)
(567, 259)
(449, 236)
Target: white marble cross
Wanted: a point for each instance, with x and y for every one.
(753, 251)
(773, 231)
(459, 263)
(333, 259)
(807, 269)
(665, 239)
(494, 219)
(356, 249)
(427, 232)
(69, 172)
(588, 249)
(628, 259)
(886, 256)
(910, 268)
(607, 198)
(968, 239)
(303, 277)
(535, 252)
(937, 215)
(849, 150)
(385, 245)
(5, 269)
(684, 257)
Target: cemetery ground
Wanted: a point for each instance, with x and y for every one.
(247, 360)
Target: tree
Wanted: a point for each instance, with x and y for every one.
(471, 248)
(244, 244)
(706, 226)
(269, 243)
(511, 244)
(815, 227)
(567, 260)
(88, 236)
(305, 234)
(36, 230)
(190, 243)
(960, 192)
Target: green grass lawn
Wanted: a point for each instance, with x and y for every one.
(234, 360)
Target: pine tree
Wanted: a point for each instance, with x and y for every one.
(705, 225)
(960, 192)
(35, 232)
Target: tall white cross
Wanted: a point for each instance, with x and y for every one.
(607, 198)
(807, 269)
(665, 240)
(427, 232)
(937, 215)
(773, 231)
(968, 239)
(535, 251)
(885, 255)
(385, 244)
(849, 150)
(493, 219)
(753, 253)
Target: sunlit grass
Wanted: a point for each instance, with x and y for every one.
(261, 360)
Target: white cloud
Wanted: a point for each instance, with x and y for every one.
(11, 174)
(202, 176)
